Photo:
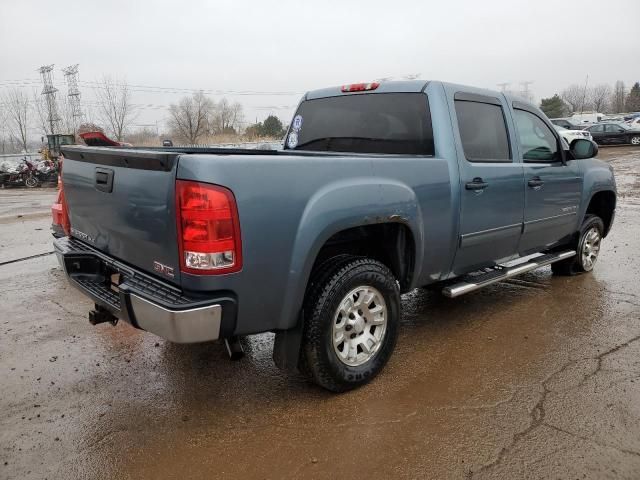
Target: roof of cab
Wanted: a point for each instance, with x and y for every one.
(404, 86)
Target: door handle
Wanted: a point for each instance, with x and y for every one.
(104, 180)
(476, 184)
(535, 182)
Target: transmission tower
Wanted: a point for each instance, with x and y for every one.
(49, 92)
(73, 92)
(525, 90)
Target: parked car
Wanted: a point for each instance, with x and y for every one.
(571, 135)
(567, 123)
(634, 123)
(614, 134)
(612, 119)
(380, 188)
(588, 118)
(167, 143)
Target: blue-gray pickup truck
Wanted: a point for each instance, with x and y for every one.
(379, 189)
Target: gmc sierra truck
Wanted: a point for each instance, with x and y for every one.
(379, 189)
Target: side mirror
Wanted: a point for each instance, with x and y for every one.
(582, 148)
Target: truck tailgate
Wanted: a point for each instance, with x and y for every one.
(123, 203)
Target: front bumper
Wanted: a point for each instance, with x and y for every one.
(142, 300)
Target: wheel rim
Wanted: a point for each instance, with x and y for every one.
(359, 326)
(31, 182)
(590, 248)
(635, 140)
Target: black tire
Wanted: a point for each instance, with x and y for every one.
(31, 182)
(636, 139)
(575, 265)
(328, 289)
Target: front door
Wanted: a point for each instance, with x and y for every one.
(491, 184)
(552, 188)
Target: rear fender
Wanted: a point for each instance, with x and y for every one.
(339, 206)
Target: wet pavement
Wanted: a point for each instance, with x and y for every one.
(536, 377)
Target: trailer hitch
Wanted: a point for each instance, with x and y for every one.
(102, 315)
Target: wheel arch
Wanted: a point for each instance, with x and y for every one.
(603, 204)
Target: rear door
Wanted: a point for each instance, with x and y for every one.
(122, 202)
(491, 182)
(552, 187)
(597, 132)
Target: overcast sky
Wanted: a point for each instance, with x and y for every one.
(294, 46)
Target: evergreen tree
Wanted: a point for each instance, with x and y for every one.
(632, 102)
(553, 107)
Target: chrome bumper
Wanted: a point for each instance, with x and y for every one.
(144, 301)
(180, 326)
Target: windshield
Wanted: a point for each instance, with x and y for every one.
(395, 123)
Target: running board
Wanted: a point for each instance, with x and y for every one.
(475, 282)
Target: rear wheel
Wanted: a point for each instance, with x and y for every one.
(635, 140)
(587, 250)
(351, 320)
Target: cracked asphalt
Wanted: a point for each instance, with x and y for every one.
(535, 377)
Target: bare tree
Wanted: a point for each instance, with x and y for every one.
(68, 122)
(227, 118)
(42, 114)
(599, 96)
(189, 119)
(17, 112)
(4, 140)
(574, 95)
(114, 104)
(618, 97)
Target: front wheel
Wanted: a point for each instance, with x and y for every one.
(31, 181)
(587, 250)
(635, 140)
(351, 318)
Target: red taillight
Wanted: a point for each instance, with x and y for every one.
(208, 229)
(360, 87)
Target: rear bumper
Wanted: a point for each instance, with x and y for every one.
(142, 300)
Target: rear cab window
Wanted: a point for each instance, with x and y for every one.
(391, 123)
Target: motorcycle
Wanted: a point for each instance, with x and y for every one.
(27, 173)
(46, 171)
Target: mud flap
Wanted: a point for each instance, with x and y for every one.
(286, 349)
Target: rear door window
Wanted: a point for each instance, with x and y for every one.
(394, 123)
(483, 131)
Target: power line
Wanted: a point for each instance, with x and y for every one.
(156, 89)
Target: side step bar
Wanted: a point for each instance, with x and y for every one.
(475, 282)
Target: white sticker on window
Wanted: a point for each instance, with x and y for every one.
(292, 141)
(297, 123)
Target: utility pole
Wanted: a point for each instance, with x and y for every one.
(49, 92)
(584, 94)
(73, 92)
